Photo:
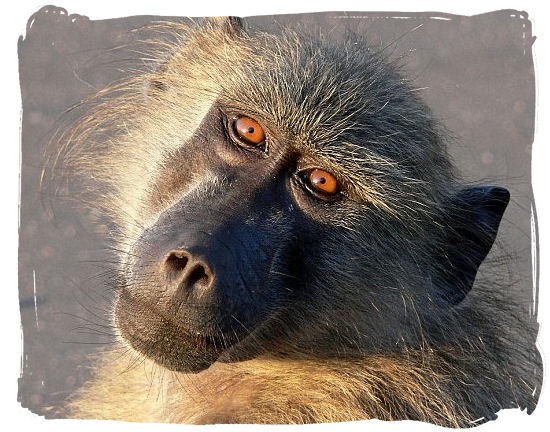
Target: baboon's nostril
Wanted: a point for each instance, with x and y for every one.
(198, 276)
(175, 264)
(181, 267)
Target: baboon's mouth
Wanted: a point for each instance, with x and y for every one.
(165, 340)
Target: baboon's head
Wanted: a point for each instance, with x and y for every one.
(280, 195)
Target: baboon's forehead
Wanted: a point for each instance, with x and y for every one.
(319, 91)
(308, 90)
(331, 97)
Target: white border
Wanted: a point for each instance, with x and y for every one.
(15, 18)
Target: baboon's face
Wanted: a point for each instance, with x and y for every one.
(307, 211)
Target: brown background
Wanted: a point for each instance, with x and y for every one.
(478, 77)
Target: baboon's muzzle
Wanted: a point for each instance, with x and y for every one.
(195, 286)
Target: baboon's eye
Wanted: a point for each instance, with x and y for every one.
(249, 131)
(321, 181)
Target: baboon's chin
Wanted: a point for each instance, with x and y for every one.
(163, 339)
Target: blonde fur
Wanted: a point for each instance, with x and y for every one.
(272, 391)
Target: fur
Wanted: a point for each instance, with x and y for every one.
(452, 366)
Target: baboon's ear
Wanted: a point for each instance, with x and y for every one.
(478, 211)
(231, 25)
(156, 85)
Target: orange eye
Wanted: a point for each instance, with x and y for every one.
(249, 131)
(322, 181)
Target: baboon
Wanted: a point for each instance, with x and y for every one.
(295, 244)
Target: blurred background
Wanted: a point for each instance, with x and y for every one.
(476, 73)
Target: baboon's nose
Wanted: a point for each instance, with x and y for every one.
(187, 272)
